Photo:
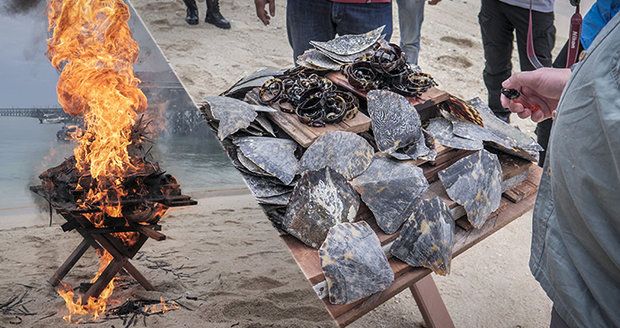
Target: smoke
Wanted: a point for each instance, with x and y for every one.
(19, 7)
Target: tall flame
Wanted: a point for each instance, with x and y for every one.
(91, 44)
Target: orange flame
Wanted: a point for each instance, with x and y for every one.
(91, 44)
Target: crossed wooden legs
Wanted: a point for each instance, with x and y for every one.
(120, 261)
(431, 305)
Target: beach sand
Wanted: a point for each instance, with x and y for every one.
(223, 259)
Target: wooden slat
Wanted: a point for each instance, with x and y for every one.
(406, 275)
(431, 305)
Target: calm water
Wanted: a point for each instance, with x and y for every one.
(188, 150)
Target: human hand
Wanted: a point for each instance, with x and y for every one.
(433, 2)
(262, 13)
(540, 92)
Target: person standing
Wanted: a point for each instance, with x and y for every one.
(499, 21)
(410, 18)
(214, 16)
(322, 20)
(601, 12)
(575, 253)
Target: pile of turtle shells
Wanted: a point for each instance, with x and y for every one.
(314, 98)
(386, 68)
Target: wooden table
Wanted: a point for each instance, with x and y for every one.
(515, 202)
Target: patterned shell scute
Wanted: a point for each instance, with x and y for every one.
(395, 122)
(321, 199)
(273, 155)
(475, 182)
(345, 152)
(351, 43)
(232, 115)
(427, 238)
(442, 131)
(353, 263)
(390, 189)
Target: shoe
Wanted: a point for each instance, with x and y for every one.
(214, 16)
(192, 12)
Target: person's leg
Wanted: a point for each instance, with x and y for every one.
(410, 18)
(192, 12)
(497, 44)
(354, 18)
(543, 32)
(308, 20)
(214, 16)
(556, 320)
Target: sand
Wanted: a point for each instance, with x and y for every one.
(222, 258)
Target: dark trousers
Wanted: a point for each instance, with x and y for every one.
(321, 20)
(498, 24)
(543, 129)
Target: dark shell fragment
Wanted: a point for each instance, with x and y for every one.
(475, 182)
(351, 43)
(441, 130)
(314, 59)
(498, 133)
(320, 200)
(390, 188)
(353, 263)
(427, 238)
(395, 122)
(345, 152)
(264, 187)
(232, 115)
(273, 155)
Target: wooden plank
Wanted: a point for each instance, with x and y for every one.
(151, 233)
(431, 305)
(406, 275)
(426, 100)
(62, 271)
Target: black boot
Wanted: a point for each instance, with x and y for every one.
(214, 16)
(192, 12)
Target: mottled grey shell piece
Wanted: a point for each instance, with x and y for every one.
(395, 122)
(265, 187)
(321, 199)
(282, 200)
(250, 166)
(345, 152)
(427, 238)
(314, 59)
(475, 182)
(232, 115)
(353, 263)
(501, 135)
(390, 188)
(420, 151)
(351, 43)
(441, 130)
(273, 155)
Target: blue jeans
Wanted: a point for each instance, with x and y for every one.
(321, 20)
(410, 18)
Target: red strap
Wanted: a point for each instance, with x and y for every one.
(573, 39)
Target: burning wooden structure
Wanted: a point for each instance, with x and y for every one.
(152, 193)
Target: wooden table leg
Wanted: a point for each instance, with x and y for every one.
(431, 305)
(69, 263)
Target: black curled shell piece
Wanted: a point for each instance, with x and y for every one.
(313, 98)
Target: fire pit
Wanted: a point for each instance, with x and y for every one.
(121, 236)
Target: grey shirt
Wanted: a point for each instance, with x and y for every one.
(576, 229)
(544, 6)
